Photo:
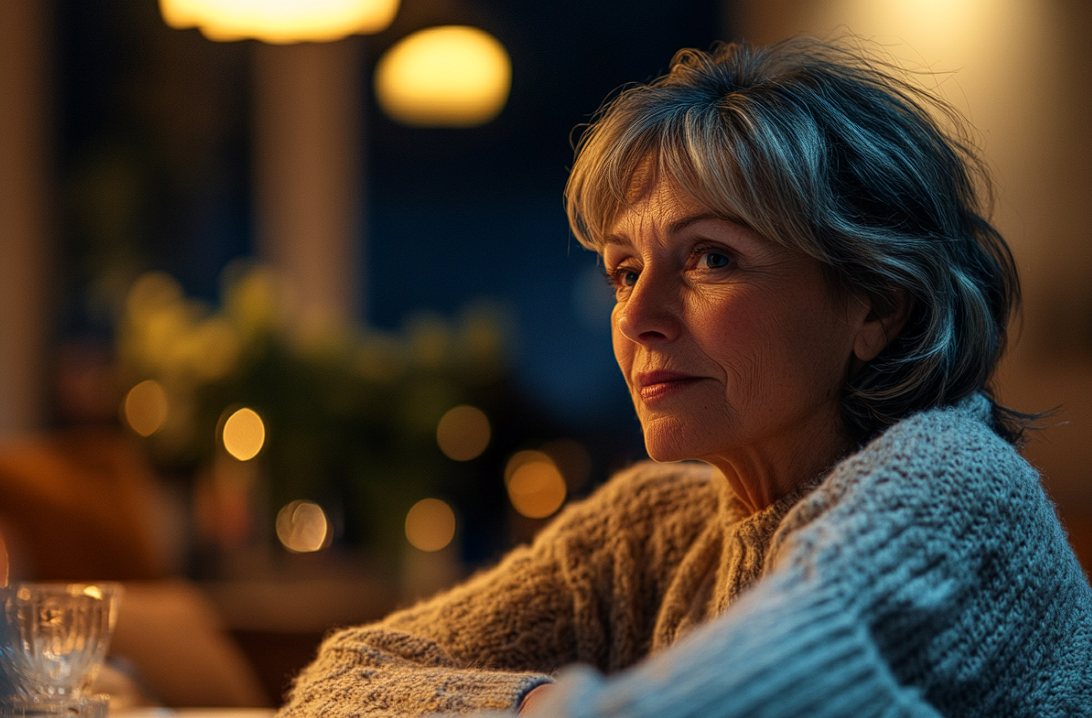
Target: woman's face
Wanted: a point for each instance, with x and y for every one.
(734, 348)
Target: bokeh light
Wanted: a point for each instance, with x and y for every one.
(430, 525)
(536, 487)
(302, 527)
(152, 292)
(463, 433)
(520, 458)
(450, 76)
(145, 407)
(244, 434)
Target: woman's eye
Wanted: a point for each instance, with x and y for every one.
(714, 260)
(622, 278)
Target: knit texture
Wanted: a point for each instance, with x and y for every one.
(927, 574)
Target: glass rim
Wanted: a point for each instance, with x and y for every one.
(73, 588)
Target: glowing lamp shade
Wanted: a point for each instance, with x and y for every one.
(451, 76)
(280, 21)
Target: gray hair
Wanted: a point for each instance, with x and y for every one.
(833, 153)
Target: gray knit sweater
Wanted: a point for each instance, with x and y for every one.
(925, 575)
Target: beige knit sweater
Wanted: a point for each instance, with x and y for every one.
(624, 573)
(928, 571)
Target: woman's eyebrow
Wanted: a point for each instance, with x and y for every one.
(684, 222)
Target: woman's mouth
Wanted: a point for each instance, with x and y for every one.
(655, 385)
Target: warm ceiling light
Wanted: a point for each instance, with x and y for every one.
(451, 76)
(280, 21)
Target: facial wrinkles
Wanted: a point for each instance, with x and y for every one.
(742, 377)
(739, 377)
(648, 230)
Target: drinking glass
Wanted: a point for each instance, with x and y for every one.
(53, 639)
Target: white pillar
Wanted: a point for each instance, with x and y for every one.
(25, 236)
(308, 171)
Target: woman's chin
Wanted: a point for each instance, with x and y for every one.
(666, 449)
(667, 458)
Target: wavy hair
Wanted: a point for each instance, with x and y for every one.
(826, 150)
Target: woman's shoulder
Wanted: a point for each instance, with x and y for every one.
(956, 441)
(651, 480)
(649, 486)
(935, 463)
(652, 491)
(642, 499)
(940, 486)
(964, 426)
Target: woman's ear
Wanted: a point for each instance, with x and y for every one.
(885, 319)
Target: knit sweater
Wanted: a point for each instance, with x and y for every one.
(924, 575)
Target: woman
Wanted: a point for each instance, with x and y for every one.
(810, 304)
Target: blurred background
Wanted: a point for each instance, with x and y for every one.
(288, 340)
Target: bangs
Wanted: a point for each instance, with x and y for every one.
(721, 152)
(611, 154)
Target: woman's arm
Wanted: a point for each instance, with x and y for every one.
(569, 597)
(482, 645)
(775, 654)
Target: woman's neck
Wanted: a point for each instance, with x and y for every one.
(760, 475)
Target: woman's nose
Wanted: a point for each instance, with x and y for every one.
(650, 314)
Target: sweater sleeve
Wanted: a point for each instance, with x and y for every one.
(461, 652)
(926, 576)
(486, 643)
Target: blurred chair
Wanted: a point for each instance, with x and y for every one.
(79, 506)
(82, 505)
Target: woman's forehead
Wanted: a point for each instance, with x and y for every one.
(656, 194)
(662, 199)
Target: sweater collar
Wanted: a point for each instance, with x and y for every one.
(765, 521)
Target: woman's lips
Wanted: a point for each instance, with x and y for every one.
(660, 384)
